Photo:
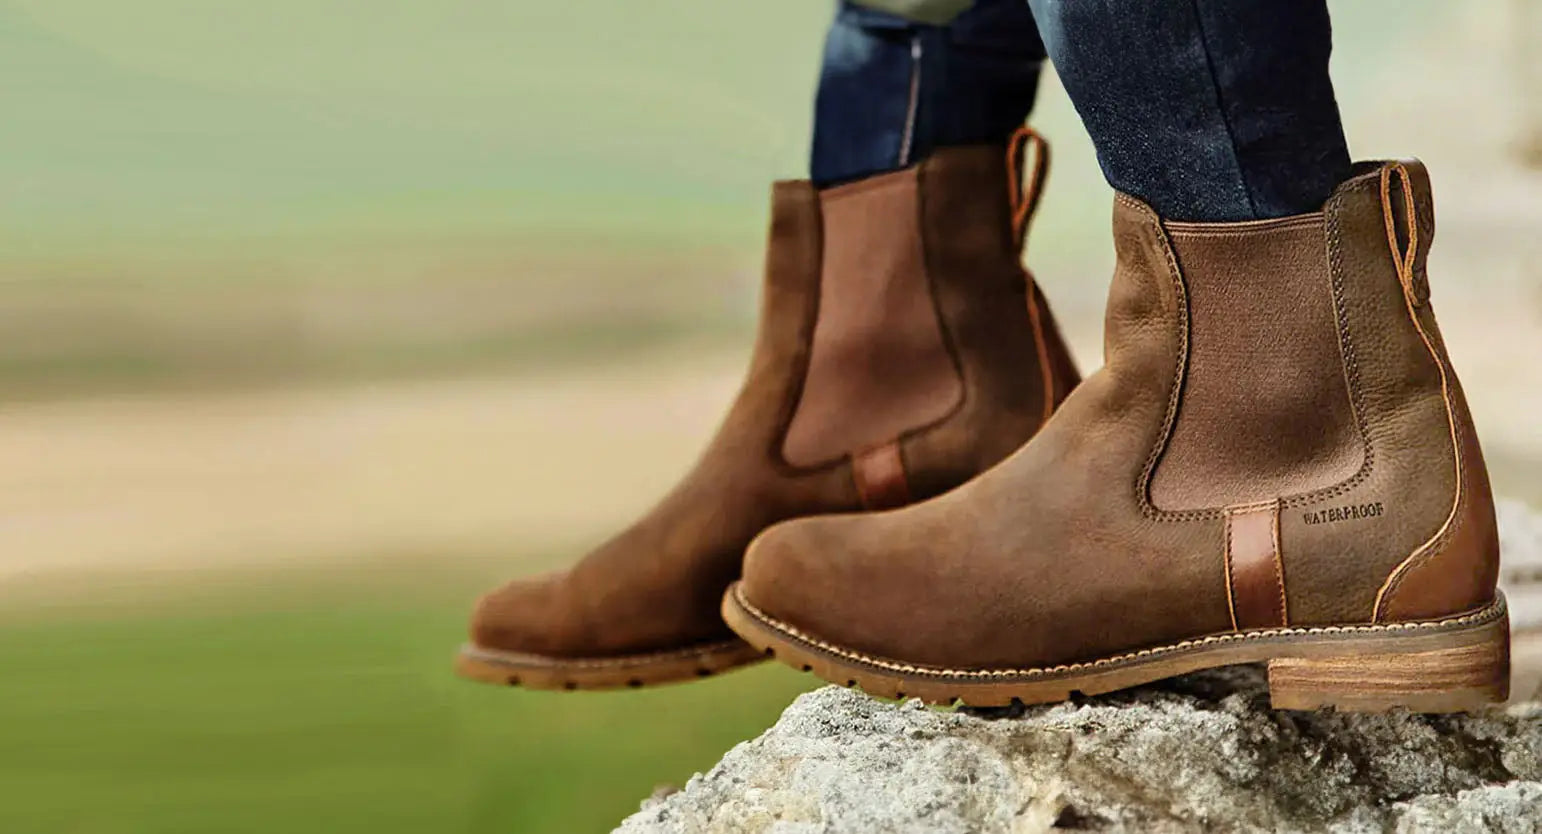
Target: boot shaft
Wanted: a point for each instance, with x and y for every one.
(897, 357)
(900, 333)
(1275, 464)
(1315, 413)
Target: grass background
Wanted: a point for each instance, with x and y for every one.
(209, 193)
(322, 702)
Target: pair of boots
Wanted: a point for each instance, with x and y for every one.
(1275, 464)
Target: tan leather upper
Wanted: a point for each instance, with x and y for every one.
(1276, 436)
(895, 359)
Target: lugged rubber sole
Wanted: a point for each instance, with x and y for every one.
(1457, 664)
(540, 672)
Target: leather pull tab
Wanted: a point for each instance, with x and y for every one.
(1026, 183)
(1403, 237)
(1025, 188)
(880, 477)
(1255, 568)
(1041, 347)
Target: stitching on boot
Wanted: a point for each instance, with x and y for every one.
(1244, 227)
(1231, 597)
(1347, 356)
(1143, 486)
(1281, 615)
(792, 393)
(1279, 564)
(916, 179)
(944, 327)
(1436, 543)
(1489, 613)
(1040, 346)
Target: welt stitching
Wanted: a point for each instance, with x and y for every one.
(1488, 613)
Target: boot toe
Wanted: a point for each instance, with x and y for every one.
(888, 585)
(522, 616)
(783, 571)
(807, 574)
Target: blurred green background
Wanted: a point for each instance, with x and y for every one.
(318, 316)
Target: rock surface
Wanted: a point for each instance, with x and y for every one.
(1198, 753)
(1203, 752)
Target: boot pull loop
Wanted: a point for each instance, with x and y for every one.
(1025, 191)
(1023, 195)
(1404, 255)
(1041, 346)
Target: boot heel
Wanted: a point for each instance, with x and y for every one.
(1470, 675)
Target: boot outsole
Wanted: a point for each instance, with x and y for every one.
(532, 671)
(1457, 664)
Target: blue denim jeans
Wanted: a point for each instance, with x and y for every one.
(1209, 110)
(891, 90)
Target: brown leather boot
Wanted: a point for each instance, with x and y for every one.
(1276, 464)
(902, 350)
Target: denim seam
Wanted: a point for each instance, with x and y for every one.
(913, 103)
(1215, 83)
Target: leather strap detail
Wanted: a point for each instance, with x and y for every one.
(1255, 571)
(1041, 347)
(1460, 561)
(1402, 219)
(1025, 188)
(1026, 184)
(880, 476)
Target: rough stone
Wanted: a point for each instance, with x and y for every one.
(1202, 752)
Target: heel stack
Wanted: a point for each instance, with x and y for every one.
(1470, 673)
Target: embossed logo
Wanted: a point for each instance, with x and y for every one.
(1348, 512)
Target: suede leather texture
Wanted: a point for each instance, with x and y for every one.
(657, 585)
(1060, 554)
